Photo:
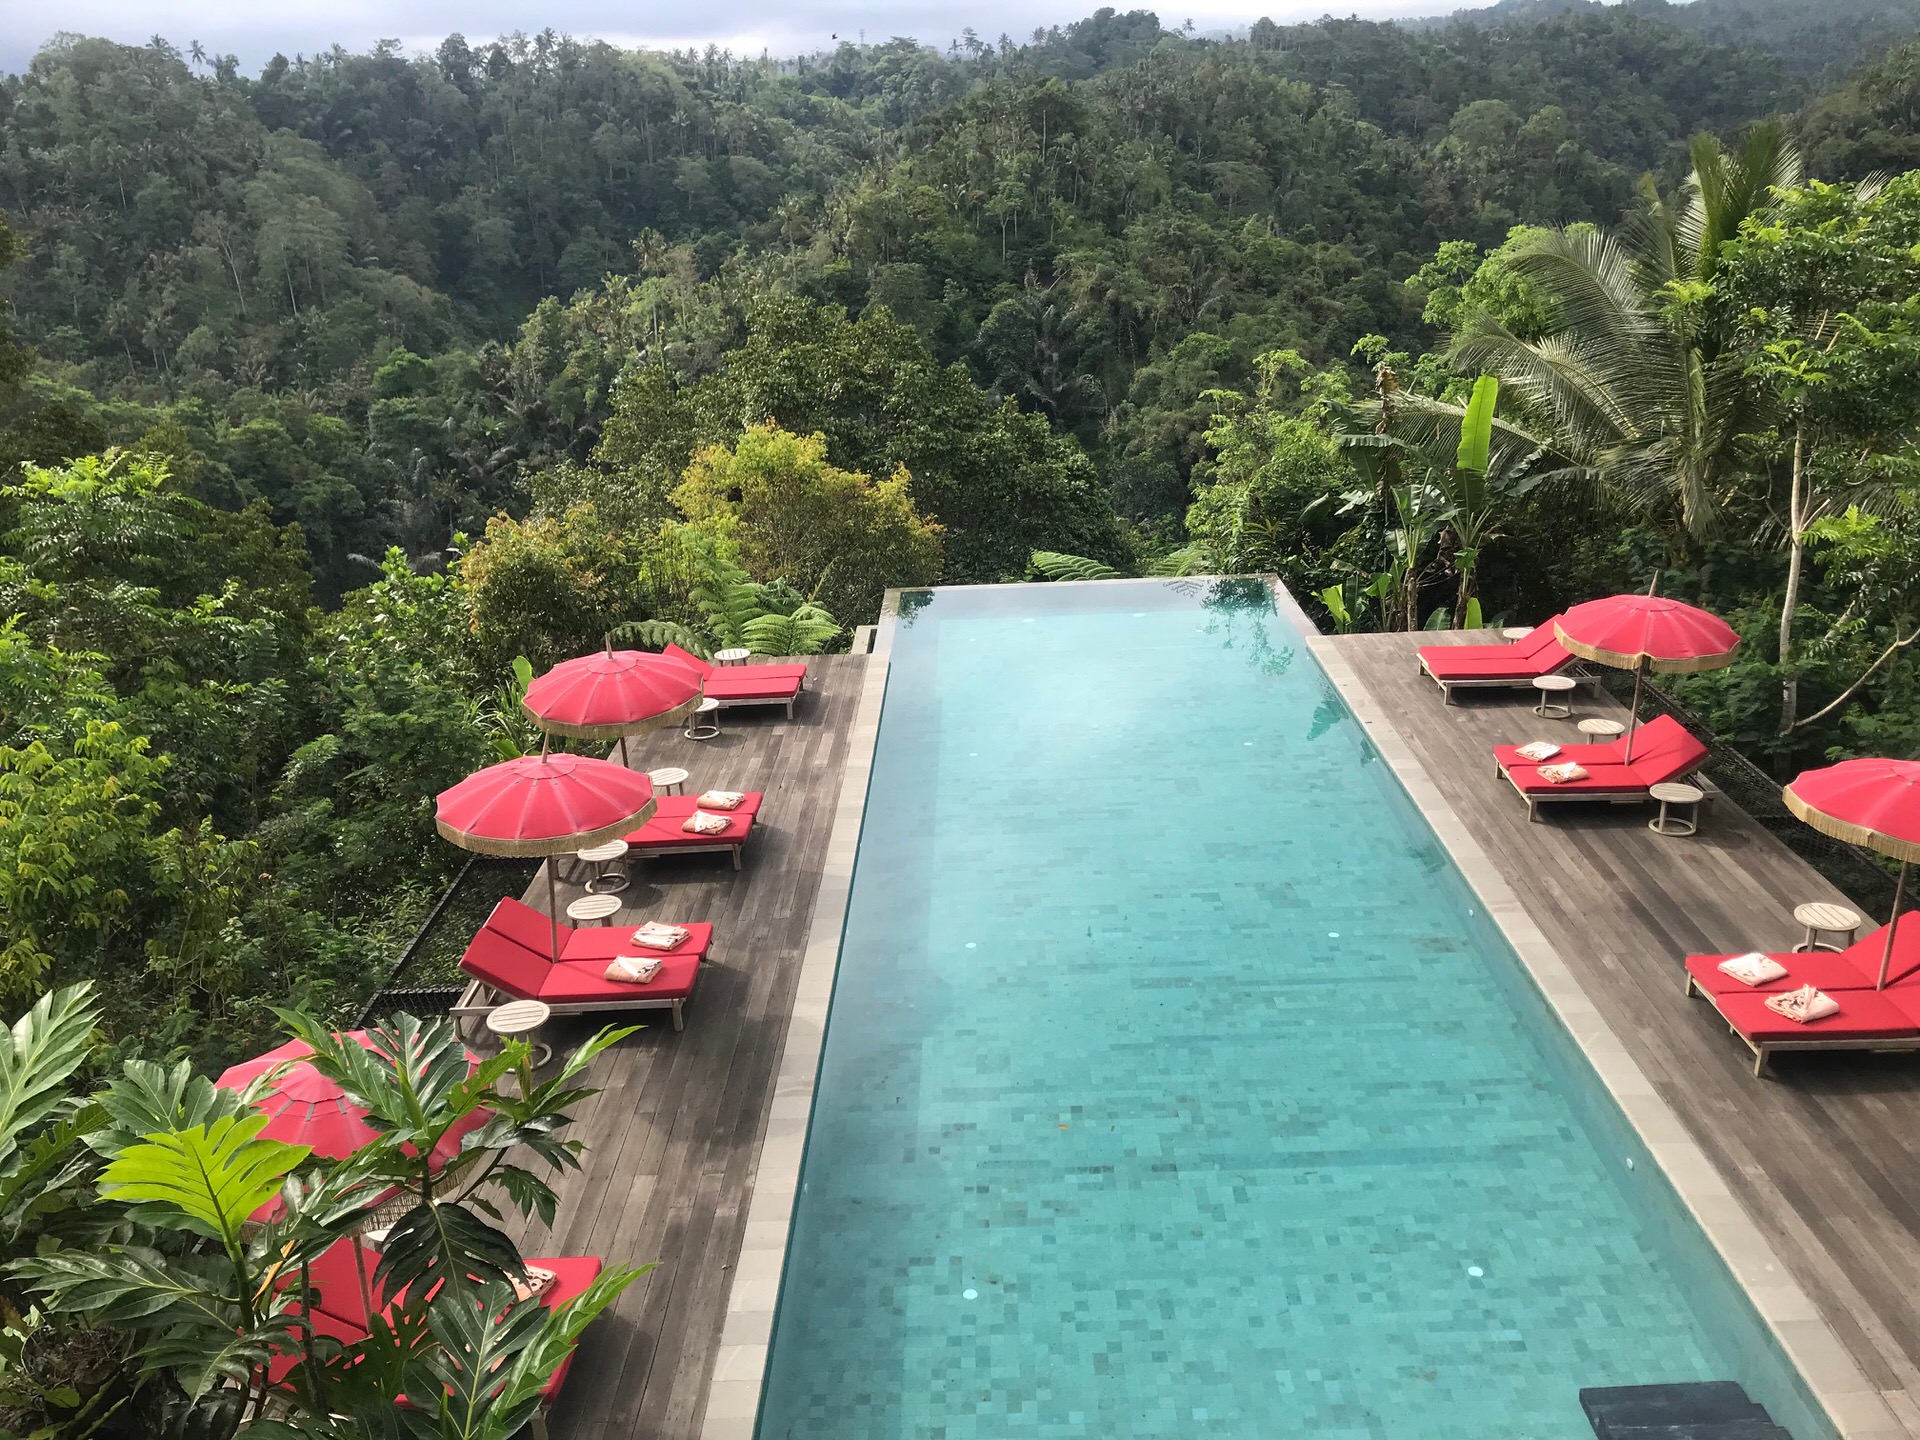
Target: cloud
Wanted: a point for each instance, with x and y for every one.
(746, 27)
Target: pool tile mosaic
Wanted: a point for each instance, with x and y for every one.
(1172, 1089)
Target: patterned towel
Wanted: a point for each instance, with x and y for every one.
(535, 1282)
(634, 969)
(701, 823)
(1803, 1006)
(1537, 750)
(1563, 774)
(1753, 968)
(721, 799)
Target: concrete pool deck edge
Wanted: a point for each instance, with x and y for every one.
(732, 1407)
(1835, 1379)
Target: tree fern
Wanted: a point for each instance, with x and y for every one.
(1056, 566)
(657, 635)
(1189, 559)
(807, 631)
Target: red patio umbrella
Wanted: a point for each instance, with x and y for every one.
(306, 1108)
(613, 694)
(1872, 802)
(544, 805)
(1647, 632)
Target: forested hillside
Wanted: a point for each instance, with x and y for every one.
(340, 387)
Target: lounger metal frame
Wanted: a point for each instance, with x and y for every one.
(1574, 668)
(1765, 1050)
(648, 852)
(1608, 797)
(743, 701)
(473, 1002)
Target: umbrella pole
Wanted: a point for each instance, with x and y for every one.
(623, 753)
(360, 1264)
(1886, 953)
(553, 906)
(1633, 719)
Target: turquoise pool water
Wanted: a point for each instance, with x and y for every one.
(1173, 1086)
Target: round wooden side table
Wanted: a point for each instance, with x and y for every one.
(735, 655)
(704, 722)
(589, 908)
(1516, 632)
(1555, 692)
(611, 878)
(1821, 918)
(1601, 728)
(1674, 793)
(522, 1017)
(668, 780)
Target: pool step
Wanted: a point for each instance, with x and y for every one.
(1704, 1410)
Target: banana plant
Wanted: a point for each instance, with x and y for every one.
(1470, 502)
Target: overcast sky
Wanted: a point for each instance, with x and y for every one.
(785, 27)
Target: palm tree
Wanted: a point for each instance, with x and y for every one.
(1633, 390)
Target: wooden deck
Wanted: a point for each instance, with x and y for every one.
(1826, 1153)
(672, 1135)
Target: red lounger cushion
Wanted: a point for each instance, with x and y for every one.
(600, 943)
(1446, 666)
(735, 681)
(751, 687)
(506, 964)
(679, 807)
(1601, 780)
(1820, 968)
(1904, 969)
(528, 928)
(583, 982)
(340, 1307)
(664, 828)
(1863, 1015)
(1655, 738)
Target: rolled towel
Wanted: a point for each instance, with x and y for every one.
(634, 969)
(701, 823)
(1537, 750)
(1752, 968)
(656, 936)
(721, 799)
(535, 1282)
(1563, 774)
(1803, 1006)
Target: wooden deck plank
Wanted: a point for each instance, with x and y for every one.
(672, 1135)
(1826, 1154)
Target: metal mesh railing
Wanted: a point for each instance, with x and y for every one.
(1856, 873)
(426, 978)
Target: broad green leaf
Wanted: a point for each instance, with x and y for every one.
(1476, 426)
(213, 1176)
(38, 1055)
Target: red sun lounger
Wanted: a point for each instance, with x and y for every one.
(587, 942)
(1652, 738)
(1497, 667)
(1867, 1020)
(734, 685)
(338, 1305)
(1668, 756)
(666, 834)
(503, 969)
(1855, 968)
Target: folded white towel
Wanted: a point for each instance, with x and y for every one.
(656, 936)
(1803, 1006)
(634, 969)
(701, 823)
(721, 799)
(1537, 750)
(1753, 968)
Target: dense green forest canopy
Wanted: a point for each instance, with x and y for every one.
(333, 398)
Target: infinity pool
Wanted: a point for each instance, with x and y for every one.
(1173, 1087)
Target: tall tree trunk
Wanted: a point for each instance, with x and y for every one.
(1796, 562)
